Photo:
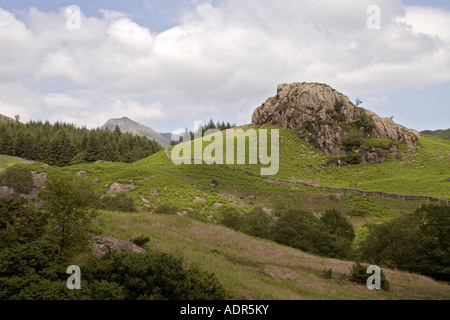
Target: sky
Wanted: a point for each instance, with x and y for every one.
(166, 63)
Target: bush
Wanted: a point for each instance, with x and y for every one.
(338, 225)
(150, 276)
(359, 275)
(304, 231)
(352, 140)
(120, 202)
(141, 240)
(18, 178)
(231, 218)
(166, 209)
(257, 223)
(379, 143)
(353, 158)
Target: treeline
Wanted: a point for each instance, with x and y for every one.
(210, 125)
(64, 144)
(37, 247)
(330, 235)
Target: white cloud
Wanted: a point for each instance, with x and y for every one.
(233, 54)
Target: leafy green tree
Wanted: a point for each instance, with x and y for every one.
(231, 218)
(71, 205)
(338, 225)
(304, 231)
(392, 243)
(257, 223)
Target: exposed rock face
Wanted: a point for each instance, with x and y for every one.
(324, 117)
(104, 243)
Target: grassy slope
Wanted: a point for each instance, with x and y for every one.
(438, 133)
(419, 171)
(251, 268)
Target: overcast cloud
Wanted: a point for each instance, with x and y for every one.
(219, 61)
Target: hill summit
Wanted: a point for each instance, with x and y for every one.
(329, 120)
(127, 125)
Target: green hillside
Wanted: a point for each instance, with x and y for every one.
(252, 268)
(445, 134)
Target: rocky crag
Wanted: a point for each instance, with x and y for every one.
(329, 120)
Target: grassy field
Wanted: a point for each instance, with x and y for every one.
(251, 268)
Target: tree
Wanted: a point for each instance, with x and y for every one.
(231, 218)
(257, 223)
(71, 204)
(338, 225)
(392, 243)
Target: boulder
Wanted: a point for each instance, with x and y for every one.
(104, 243)
(7, 193)
(119, 187)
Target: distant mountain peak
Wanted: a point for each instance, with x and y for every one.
(128, 125)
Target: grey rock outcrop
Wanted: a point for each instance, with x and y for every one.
(323, 116)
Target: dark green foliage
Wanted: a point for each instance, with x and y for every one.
(338, 105)
(18, 178)
(359, 275)
(352, 140)
(231, 218)
(330, 236)
(338, 225)
(353, 157)
(303, 230)
(120, 202)
(141, 240)
(365, 122)
(257, 223)
(32, 266)
(63, 144)
(71, 204)
(150, 276)
(418, 243)
(166, 209)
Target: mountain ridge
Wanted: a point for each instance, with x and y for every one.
(128, 125)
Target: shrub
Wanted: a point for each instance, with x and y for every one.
(354, 158)
(120, 202)
(352, 140)
(359, 275)
(304, 231)
(18, 178)
(338, 225)
(151, 276)
(231, 218)
(141, 240)
(257, 223)
(166, 209)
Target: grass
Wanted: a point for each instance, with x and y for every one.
(6, 161)
(251, 268)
